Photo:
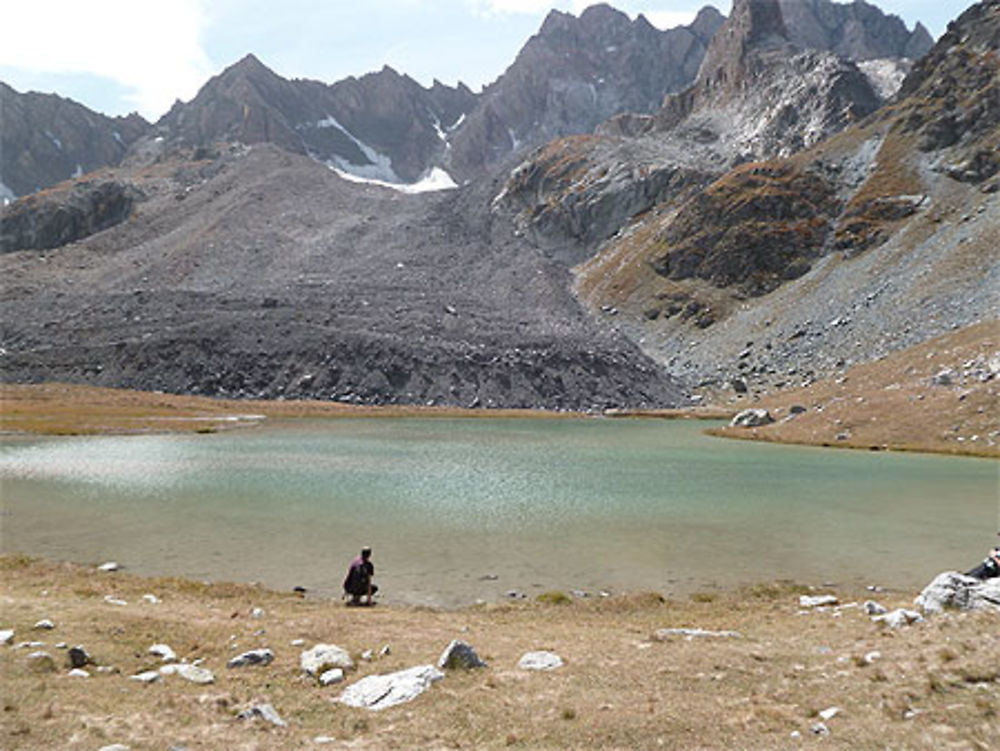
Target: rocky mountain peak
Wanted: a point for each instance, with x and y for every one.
(708, 21)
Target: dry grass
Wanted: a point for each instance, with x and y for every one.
(934, 685)
(893, 404)
(67, 409)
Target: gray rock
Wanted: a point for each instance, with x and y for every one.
(381, 691)
(819, 729)
(265, 712)
(78, 657)
(752, 418)
(41, 662)
(163, 651)
(192, 673)
(541, 660)
(665, 634)
(817, 601)
(253, 657)
(954, 590)
(898, 618)
(322, 657)
(796, 409)
(331, 676)
(6, 636)
(874, 608)
(944, 378)
(147, 676)
(44, 625)
(459, 655)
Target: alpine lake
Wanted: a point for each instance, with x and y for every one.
(459, 510)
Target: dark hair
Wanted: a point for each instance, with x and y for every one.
(366, 551)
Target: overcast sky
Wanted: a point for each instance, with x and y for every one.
(117, 56)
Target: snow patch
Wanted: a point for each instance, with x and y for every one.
(55, 141)
(7, 196)
(380, 166)
(78, 172)
(439, 130)
(458, 122)
(514, 143)
(435, 179)
(118, 137)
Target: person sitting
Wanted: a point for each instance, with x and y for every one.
(989, 568)
(358, 582)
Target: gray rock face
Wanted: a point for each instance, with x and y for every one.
(858, 30)
(323, 657)
(754, 418)
(382, 691)
(540, 660)
(45, 139)
(954, 590)
(575, 73)
(459, 655)
(252, 657)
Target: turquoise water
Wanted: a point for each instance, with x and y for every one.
(538, 504)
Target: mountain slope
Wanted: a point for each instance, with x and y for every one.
(872, 240)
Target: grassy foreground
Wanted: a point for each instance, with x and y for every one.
(932, 685)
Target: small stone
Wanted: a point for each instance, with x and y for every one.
(322, 657)
(795, 734)
(752, 418)
(820, 729)
(829, 713)
(459, 655)
(257, 613)
(147, 676)
(663, 634)
(253, 657)
(78, 657)
(7, 636)
(331, 676)
(541, 660)
(112, 600)
(41, 662)
(805, 601)
(164, 652)
(321, 739)
(297, 642)
(874, 608)
(115, 747)
(44, 625)
(107, 669)
(62, 645)
(870, 657)
(368, 655)
(898, 618)
(78, 673)
(385, 651)
(265, 712)
(515, 595)
(151, 599)
(195, 674)
(109, 566)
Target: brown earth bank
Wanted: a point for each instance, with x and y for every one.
(933, 685)
(71, 409)
(941, 396)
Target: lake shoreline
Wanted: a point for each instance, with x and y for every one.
(760, 677)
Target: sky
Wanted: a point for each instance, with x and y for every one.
(119, 56)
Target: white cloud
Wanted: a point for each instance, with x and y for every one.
(154, 49)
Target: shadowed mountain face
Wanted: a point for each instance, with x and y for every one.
(45, 139)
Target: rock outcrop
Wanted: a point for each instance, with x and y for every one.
(378, 692)
(952, 590)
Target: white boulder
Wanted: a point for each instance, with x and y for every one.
(323, 657)
(752, 418)
(381, 691)
(954, 590)
(540, 660)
